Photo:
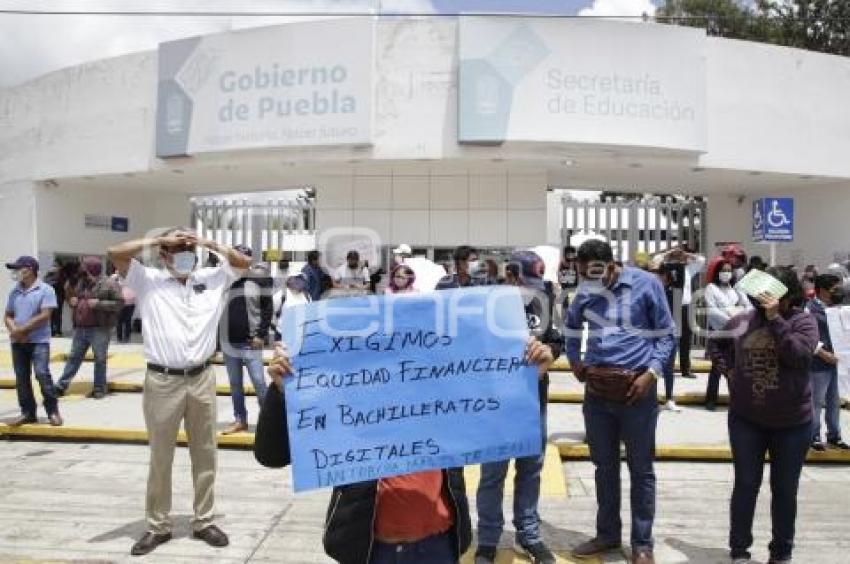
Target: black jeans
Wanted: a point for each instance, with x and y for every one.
(125, 323)
(714, 374)
(56, 315)
(787, 447)
(685, 341)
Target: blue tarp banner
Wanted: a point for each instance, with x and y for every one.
(390, 385)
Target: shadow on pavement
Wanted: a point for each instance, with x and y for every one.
(133, 531)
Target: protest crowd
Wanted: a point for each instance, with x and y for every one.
(620, 327)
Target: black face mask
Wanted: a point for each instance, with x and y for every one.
(836, 296)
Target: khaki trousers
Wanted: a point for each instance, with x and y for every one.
(167, 401)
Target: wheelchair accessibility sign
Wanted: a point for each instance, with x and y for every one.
(773, 219)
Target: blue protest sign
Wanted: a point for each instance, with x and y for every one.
(773, 219)
(390, 385)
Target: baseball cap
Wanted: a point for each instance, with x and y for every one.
(531, 268)
(23, 262)
(403, 249)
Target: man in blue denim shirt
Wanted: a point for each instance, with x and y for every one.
(27, 319)
(630, 333)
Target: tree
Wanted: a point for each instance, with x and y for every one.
(723, 18)
(817, 25)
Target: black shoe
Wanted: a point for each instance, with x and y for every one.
(538, 553)
(23, 420)
(485, 555)
(710, 406)
(97, 394)
(839, 444)
(818, 446)
(60, 392)
(212, 535)
(148, 542)
(690, 375)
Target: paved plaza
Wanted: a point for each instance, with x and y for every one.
(82, 500)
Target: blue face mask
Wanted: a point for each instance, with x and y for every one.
(183, 262)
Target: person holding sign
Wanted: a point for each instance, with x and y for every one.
(828, 292)
(770, 409)
(630, 341)
(418, 518)
(180, 307)
(527, 267)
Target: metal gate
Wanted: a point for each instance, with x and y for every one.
(267, 225)
(650, 225)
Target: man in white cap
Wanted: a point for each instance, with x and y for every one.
(402, 253)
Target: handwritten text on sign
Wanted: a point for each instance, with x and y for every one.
(390, 385)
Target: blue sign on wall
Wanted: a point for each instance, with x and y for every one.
(773, 219)
(120, 223)
(384, 386)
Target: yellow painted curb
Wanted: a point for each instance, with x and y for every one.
(99, 434)
(719, 453)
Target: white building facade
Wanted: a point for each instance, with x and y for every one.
(429, 131)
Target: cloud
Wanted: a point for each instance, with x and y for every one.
(624, 8)
(33, 45)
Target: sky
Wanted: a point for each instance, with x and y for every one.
(33, 45)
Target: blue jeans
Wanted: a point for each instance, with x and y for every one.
(825, 391)
(607, 423)
(252, 359)
(491, 487)
(436, 549)
(84, 337)
(25, 357)
(787, 448)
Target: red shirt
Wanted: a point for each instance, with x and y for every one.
(412, 507)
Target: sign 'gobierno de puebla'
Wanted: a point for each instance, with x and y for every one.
(276, 86)
(384, 386)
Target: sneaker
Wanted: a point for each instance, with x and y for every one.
(690, 375)
(671, 406)
(538, 553)
(56, 419)
(235, 427)
(818, 446)
(711, 406)
(839, 444)
(60, 392)
(97, 394)
(485, 555)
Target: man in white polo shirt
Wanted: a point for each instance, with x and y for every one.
(180, 306)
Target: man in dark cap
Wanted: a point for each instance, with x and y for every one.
(244, 330)
(27, 319)
(527, 268)
(95, 301)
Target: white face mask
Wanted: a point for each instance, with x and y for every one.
(183, 262)
(473, 266)
(725, 277)
(15, 275)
